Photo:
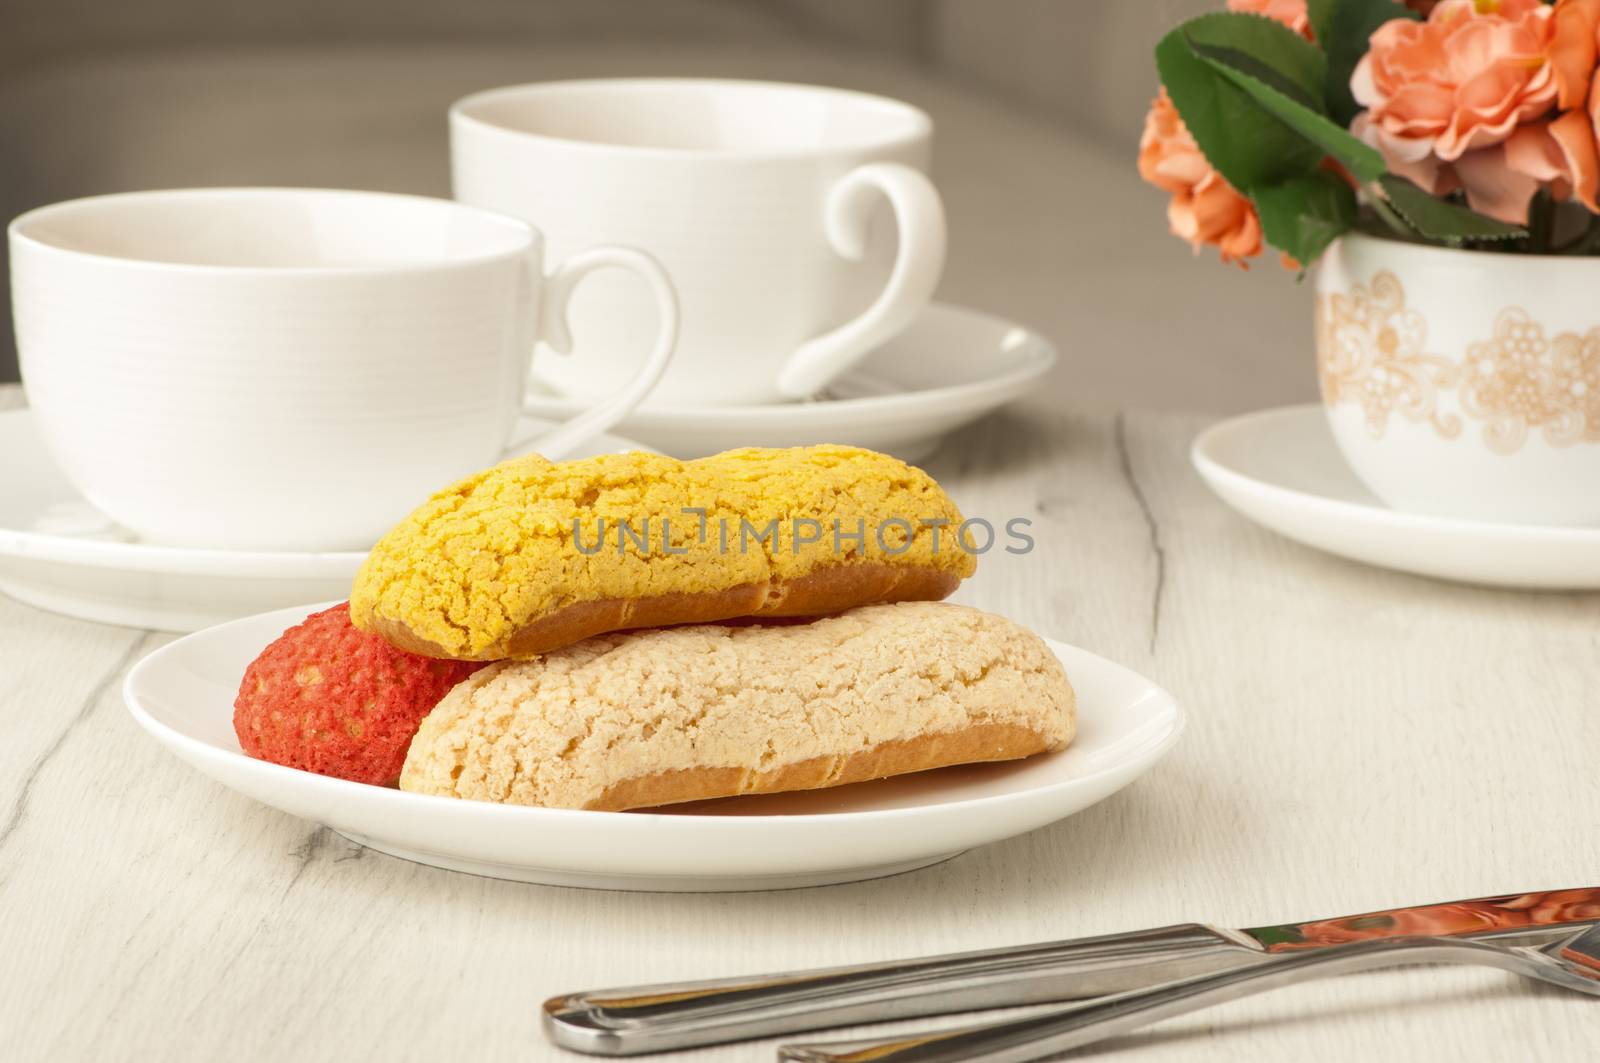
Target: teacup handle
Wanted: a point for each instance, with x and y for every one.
(919, 214)
(557, 333)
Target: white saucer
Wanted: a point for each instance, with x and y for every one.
(183, 695)
(1282, 469)
(59, 553)
(952, 366)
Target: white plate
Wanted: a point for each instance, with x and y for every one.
(1282, 469)
(183, 695)
(58, 552)
(950, 367)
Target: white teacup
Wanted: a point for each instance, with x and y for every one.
(1464, 383)
(291, 368)
(762, 200)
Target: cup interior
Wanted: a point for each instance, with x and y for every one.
(698, 116)
(275, 229)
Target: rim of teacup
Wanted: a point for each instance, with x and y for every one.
(1457, 254)
(919, 125)
(23, 229)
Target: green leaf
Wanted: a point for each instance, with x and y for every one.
(1244, 63)
(1267, 41)
(1320, 12)
(1303, 215)
(1441, 220)
(1360, 159)
(1350, 25)
(1248, 146)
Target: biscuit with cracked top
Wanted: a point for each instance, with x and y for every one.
(530, 555)
(657, 717)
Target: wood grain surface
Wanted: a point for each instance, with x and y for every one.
(1359, 739)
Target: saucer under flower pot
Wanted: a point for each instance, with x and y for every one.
(1464, 383)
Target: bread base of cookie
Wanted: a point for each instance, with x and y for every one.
(829, 590)
(975, 744)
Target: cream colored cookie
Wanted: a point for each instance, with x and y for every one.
(680, 714)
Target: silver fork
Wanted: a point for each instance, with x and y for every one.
(632, 1020)
(1573, 962)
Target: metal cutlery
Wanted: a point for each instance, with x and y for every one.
(1571, 962)
(659, 1018)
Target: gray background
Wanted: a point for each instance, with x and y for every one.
(1038, 105)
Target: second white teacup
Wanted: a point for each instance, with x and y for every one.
(765, 201)
(291, 368)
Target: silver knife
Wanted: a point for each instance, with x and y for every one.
(659, 1018)
(1571, 962)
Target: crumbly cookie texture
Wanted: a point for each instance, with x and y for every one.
(679, 714)
(483, 559)
(327, 698)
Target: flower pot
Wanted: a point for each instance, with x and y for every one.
(1464, 383)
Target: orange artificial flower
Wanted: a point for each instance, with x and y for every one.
(1205, 209)
(1575, 52)
(1472, 97)
(1574, 24)
(1291, 13)
(1562, 152)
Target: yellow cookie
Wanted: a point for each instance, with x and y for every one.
(532, 555)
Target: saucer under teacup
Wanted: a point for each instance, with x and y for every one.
(951, 366)
(1283, 469)
(59, 553)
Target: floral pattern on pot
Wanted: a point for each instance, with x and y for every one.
(1371, 350)
(1522, 380)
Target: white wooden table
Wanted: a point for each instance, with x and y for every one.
(1358, 739)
